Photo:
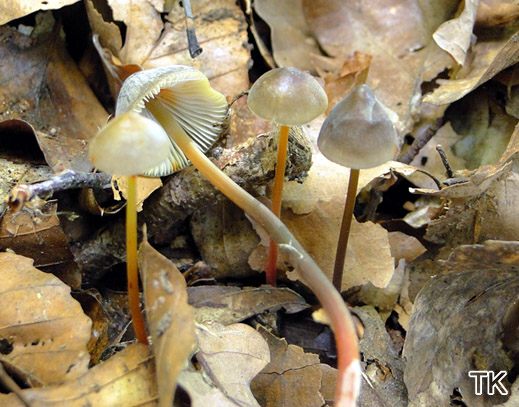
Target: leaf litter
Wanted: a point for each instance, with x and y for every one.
(431, 253)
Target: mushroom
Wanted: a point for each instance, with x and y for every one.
(129, 145)
(287, 97)
(359, 133)
(154, 93)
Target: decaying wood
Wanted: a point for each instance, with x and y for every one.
(250, 164)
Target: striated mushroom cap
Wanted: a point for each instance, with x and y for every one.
(287, 96)
(359, 133)
(186, 93)
(130, 144)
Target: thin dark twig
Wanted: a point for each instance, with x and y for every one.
(238, 97)
(445, 161)
(421, 140)
(10, 384)
(193, 45)
(69, 179)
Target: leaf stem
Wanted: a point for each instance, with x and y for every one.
(277, 194)
(344, 234)
(131, 261)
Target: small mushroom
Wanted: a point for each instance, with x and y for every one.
(287, 97)
(148, 92)
(359, 133)
(129, 145)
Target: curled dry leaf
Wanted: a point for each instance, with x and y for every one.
(43, 327)
(232, 356)
(35, 232)
(490, 58)
(126, 379)
(292, 41)
(227, 305)
(291, 379)
(445, 342)
(454, 36)
(170, 318)
(44, 87)
(13, 9)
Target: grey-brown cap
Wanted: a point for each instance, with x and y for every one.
(359, 132)
(287, 96)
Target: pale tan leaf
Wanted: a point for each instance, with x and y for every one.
(490, 58)
(126, 379)
(13, 9)
(145, 187)
(291, 379)
(170, 318)
(454, 36)
(292, 41)
(202, 391)
(45, 327)
(232, 356)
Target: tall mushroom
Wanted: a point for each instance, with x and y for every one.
(130, 145)
(158, 93)
(287, 97)
(359, 133)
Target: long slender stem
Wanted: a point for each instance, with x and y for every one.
(131, 261)
(344, 234)
(277, 194)
(348, 381)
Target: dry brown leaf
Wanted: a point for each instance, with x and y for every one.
(490, 58)
(232, 356)
(45, 328)
(126, 379)
(497, 12)
(43, 86)
(405, 247)
(170, 318)
(292, 42)
(227, 305)
(455, 36)
(396, 33)
(220, 28)
(445, 342)
(35, 232)
(13, 9)
(291, 379)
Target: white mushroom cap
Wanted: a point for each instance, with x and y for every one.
(359, 133)
(287, 96)
(130, 144)
(186, 93)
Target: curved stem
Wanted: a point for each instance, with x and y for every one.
(344, 234)
(277, 194)
(348, 381)
(131, 261)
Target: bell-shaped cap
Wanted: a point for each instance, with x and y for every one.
(186, 93)
(287, 96)
(130, 144)
(359, 132)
